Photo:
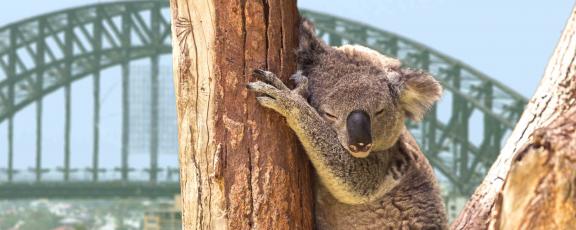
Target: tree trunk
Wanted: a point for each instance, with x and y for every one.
(240, 165)
(555, 95)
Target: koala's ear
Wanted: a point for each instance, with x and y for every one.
(309, 46)
(417, 90)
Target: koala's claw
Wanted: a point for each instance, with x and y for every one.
(270, 78)
(276, 96)
(271, 98)
(264, 88)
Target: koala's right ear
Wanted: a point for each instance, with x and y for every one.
(417, 90)
(310, 46)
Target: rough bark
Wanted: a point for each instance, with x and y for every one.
(240, 165)
(539, 190)
(554, 96)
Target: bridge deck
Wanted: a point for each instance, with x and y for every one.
(87, 190)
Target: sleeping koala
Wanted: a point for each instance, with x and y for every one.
(348, 110)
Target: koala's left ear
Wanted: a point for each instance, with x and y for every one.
(417, 90)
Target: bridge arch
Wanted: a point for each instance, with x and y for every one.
(45, 53)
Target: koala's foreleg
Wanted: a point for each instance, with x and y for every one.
(351, 180)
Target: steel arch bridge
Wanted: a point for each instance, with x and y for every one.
(50, 52)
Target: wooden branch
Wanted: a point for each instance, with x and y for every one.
(539, 192)
(240, 165)
(553, 97)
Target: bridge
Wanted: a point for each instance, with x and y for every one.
(49, 54)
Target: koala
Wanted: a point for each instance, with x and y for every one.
(348, 109)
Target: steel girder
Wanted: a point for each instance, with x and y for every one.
(50, 52)
(45, 53)
(111, 32)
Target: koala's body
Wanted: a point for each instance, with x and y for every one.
(348, 111)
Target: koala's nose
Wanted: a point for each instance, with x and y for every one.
(359, 131)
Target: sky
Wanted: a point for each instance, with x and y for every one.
(510, 41)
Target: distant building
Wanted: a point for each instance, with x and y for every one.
(164, 217)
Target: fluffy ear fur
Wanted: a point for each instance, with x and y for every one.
(310, 47)
(371, 56)
(417, 90)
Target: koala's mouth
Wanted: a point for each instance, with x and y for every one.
(358, 154)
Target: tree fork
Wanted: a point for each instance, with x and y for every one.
(240, 165)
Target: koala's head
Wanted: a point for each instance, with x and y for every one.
(363, 95)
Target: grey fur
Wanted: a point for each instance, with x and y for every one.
(391, 187)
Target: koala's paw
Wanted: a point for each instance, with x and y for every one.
(275, 95)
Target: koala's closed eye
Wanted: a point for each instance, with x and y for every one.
(329, 116)
(379, 112)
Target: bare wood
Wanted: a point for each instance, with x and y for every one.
(553, 97)
(240, 165)
(539, 190)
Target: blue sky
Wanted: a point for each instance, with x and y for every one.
(510, 41)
